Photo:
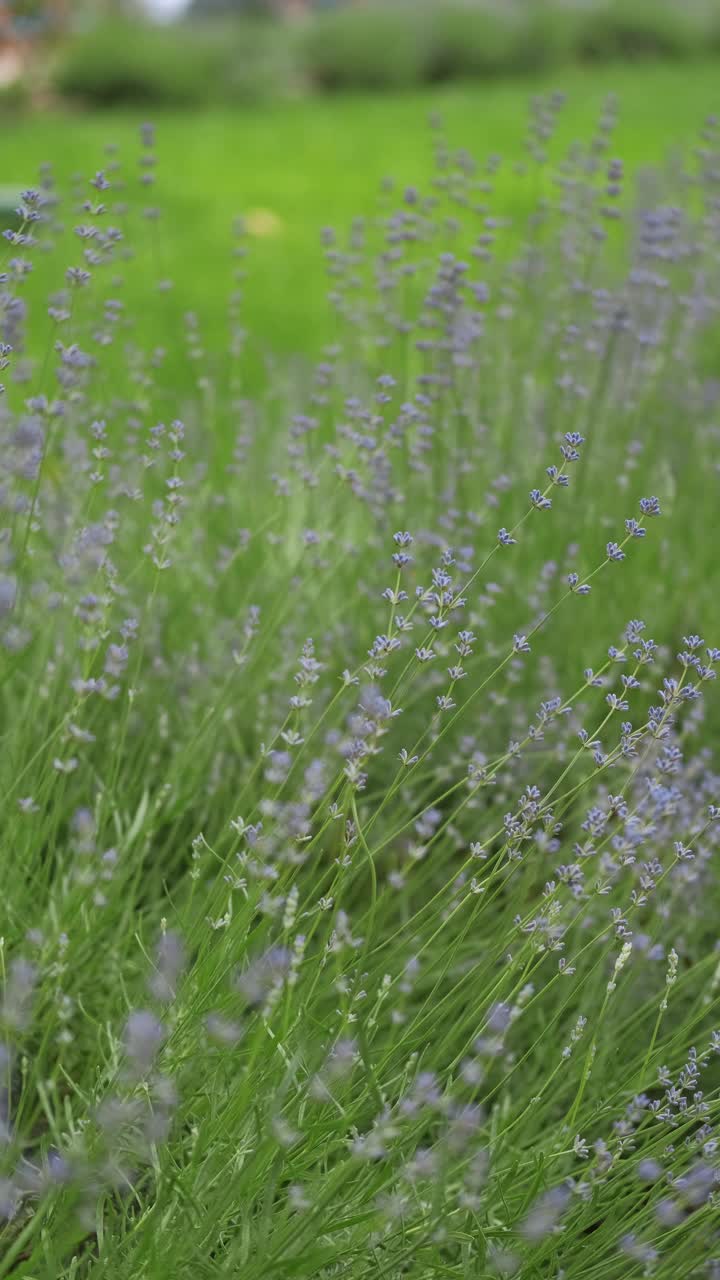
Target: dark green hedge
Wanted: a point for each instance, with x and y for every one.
(383, 44)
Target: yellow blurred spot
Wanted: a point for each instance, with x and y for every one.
(262, 222)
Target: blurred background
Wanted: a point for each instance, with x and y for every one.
(294, 113)
(196, 52)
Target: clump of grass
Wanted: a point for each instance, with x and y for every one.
(360, 837)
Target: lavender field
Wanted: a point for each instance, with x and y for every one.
(361, 814)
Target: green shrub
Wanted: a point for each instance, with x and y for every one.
(120, 61)
(115, 62)
(400, 43)
(544, 35)
(260, 62)
(469, 40)
(14, 97)
(384, 44)
(372, 47)
(644, 29)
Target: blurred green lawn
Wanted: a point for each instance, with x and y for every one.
(321, 161)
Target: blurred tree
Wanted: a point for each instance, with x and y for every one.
(56, 15)
(246, 8)
(34, 13)
(29, 18)
(259, 8)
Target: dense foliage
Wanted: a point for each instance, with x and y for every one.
(371, 45)
(361, 826)
(195, 64)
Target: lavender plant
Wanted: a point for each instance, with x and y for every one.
(359, 850)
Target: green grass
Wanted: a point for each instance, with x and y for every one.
(319, 867)
(316, 163)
